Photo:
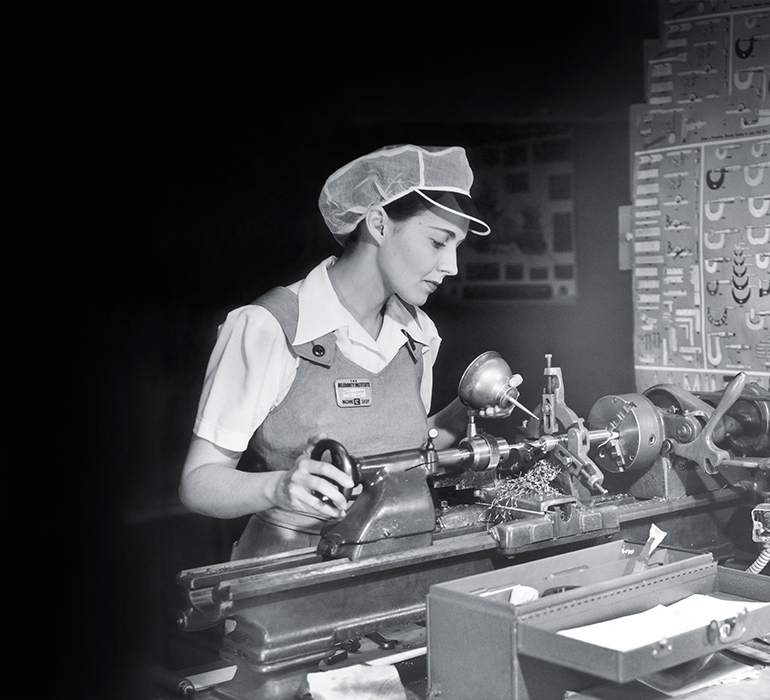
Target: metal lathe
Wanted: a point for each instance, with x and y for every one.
(696, 465)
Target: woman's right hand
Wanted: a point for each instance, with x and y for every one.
(302, 488)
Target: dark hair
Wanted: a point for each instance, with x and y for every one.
(398, 210)
(407, 206)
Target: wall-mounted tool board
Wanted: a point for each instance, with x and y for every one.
(698, 227)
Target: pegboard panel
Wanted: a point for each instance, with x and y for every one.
(699, 224)
(524, 185)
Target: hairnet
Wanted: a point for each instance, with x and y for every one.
(390, 173)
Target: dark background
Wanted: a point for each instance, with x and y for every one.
(175, 153)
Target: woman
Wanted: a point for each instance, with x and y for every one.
(345, 353)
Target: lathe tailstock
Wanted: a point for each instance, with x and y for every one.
(695, 465)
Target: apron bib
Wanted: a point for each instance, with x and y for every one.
(369, 413)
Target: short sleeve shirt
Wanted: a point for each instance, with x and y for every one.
(251, 367)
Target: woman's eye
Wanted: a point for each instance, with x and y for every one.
(438, 244)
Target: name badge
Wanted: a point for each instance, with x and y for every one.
(352, 393)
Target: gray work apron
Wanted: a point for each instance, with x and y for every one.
(369, 413)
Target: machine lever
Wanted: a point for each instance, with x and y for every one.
(702, 450)
(381, 641)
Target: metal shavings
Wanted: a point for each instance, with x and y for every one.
(535, 484)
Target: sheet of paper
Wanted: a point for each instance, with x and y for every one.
(358, 682)
(662, 621)
(522, 594)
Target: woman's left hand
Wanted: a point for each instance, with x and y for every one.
(498, 411)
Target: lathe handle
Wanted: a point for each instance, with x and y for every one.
(702, 450)
(341, 459)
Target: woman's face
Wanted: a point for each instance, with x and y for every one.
(418, 253)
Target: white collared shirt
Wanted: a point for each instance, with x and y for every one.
(251, 368)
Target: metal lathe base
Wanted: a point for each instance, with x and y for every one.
(294, 614)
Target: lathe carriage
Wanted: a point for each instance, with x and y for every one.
(695, 466)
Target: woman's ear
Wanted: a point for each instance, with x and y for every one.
(376, 220)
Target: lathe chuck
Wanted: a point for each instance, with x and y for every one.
(637, 422)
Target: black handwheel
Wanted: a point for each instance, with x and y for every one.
(341, 459)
